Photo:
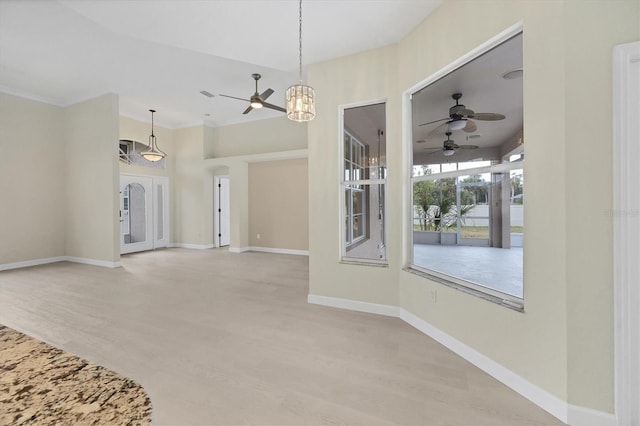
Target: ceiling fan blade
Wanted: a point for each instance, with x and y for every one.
(233, 97)
(487, 116)
(248, 110)
(439, 130)
(467, 147)
(470, 127)
(435, 121)
(465, 112)
(277, 108)
(266, 94)
(430, 149)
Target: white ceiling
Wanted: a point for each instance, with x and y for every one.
(160, 54)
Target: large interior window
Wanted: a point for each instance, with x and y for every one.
(129, 152)
(363, 163)
(468, 177)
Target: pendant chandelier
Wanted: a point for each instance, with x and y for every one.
(153, 153)
(301, 103)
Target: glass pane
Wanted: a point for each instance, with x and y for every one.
(160, 213)
(358, 226)
(473, 228)
(347, 146)
(358, 201)
(135, 215)
(366, 224)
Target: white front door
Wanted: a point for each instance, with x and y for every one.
(144, 213)
(136, 213)
(222, 217)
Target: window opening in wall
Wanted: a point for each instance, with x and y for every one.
(467, 177)
(363, 178)
(129, 152)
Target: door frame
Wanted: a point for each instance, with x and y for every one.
(626, 233)
(152, 217)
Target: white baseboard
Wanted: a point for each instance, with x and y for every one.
(354, 305)
(574, 415)
(191, 246)
(35, 262)
(581, 416)
(93, 262)
(238, 249)
(547, 401)
(279, 250)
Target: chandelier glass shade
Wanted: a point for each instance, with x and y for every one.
(301, 104)
(300, 99)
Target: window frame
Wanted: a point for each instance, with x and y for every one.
(407, 171)
(342, 187)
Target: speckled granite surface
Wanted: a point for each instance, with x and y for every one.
(43, 385)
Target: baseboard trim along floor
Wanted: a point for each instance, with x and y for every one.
(279, 251)
(571, 414)
(44, 261)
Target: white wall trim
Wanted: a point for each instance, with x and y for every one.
(279, 250)
(238, 249)
(257, 158)
(547, 401)
(354, 305)
(28, 263)
(626, 231)
(575, 415)
(94, 262)
(581, 416)
(191, 246)
(44, 261)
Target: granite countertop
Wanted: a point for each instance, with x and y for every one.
(43, 385)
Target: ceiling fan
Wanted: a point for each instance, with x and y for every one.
(449, 146)
(258, 100)
(460, 118)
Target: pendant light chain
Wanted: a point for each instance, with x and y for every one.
(300, 38)
(152, 111)
(300, 98)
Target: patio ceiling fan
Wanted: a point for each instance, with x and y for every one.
(257, 100)
(449, 146)
(460, 118)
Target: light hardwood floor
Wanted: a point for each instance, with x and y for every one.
(222, 338)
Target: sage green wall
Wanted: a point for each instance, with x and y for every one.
(32, 182)
(255, 137)
(563, 342)
(192, 193)
(369, 76)
(592, 29)
(91, 179)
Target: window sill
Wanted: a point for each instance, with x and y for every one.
(365, 262)
(515, 305)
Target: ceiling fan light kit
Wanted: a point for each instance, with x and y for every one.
(300, 98)
(257, 100)
(153, 153)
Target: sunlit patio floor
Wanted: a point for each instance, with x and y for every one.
(496, 268)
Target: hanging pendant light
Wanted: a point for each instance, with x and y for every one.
(153, 153)
(301, 102)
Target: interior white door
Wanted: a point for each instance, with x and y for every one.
(136, 213)
(222, 210)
